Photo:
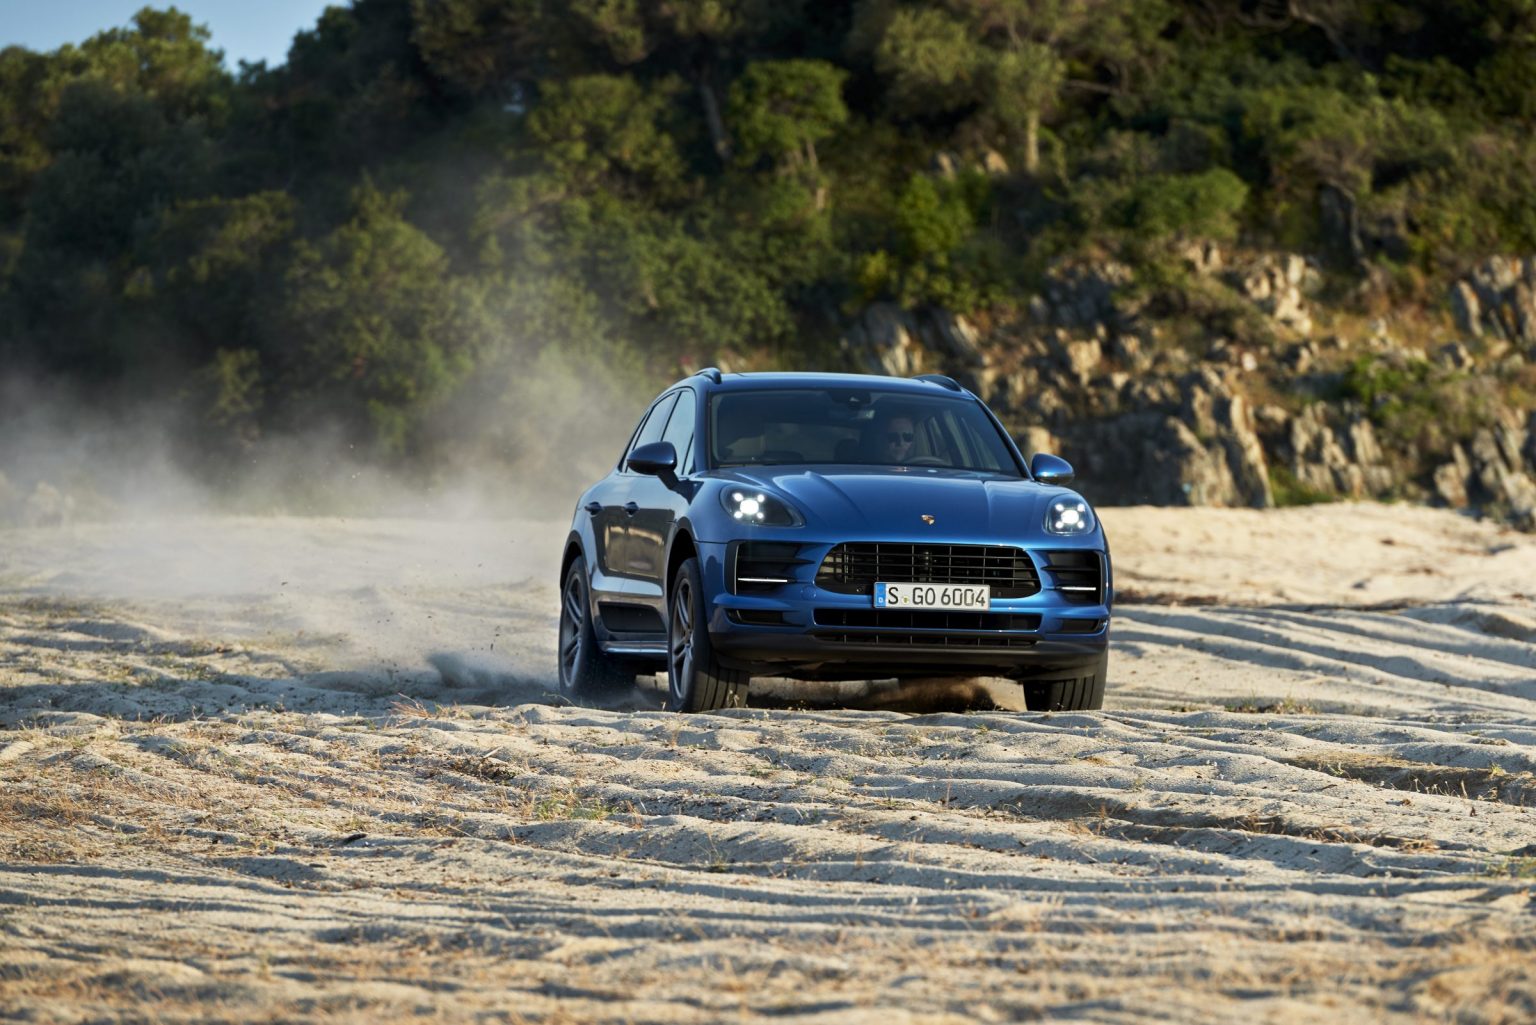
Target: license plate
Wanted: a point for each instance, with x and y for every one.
(933, 596)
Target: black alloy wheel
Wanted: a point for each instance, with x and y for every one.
(696, 681)
(586, 671)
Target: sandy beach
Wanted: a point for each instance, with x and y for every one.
(286, 769)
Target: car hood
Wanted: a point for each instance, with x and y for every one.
(878, 502)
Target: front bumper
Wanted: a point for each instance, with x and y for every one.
(800, 629)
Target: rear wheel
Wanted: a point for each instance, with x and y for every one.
(696, 681)
(1076, 690)
(586, 671)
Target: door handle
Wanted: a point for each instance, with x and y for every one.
(593, 507)
(630, 508)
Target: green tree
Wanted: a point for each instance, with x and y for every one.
(609, 131)
(699, 41)
(354, 94)
(1005, 64)
(205, 264)
(672, 284)
(166, 57)
(485, 47)
(933, 253)
(374, 322)
(780, 110)
(23, 128)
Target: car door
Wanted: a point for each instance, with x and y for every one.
(605, 503)
(610, 517)
(627, 558)
(660, 505)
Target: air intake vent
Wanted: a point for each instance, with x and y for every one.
(756, 617)
(927, 619)
(1078, 575)
(854, 567)
(763, 566)
(926, 628)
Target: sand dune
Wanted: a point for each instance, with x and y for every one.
(287, 769)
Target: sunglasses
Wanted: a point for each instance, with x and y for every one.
(897, 437)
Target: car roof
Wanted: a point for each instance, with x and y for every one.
(769, 380)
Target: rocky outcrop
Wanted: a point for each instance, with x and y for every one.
(1086, 295)
(1331, 451)
(887, 339)
(1498, 301)
(1153, 458)
(953, 336)
(1276, 285)
(1189, 440)
(1493, 470)
(884, 341)
(1146, 417)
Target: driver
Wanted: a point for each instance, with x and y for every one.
(894, 437)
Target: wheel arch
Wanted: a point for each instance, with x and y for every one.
(573, 551)
(681, 549)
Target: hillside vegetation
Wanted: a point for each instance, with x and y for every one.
(437, 215)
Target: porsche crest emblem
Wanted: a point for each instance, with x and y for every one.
(928, 519)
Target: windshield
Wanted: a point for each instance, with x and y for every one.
(861, 426)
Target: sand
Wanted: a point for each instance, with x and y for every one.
(281, 769)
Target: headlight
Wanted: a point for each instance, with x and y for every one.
(747, 505)
(1068, 516)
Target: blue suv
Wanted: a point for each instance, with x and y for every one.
(832, 527)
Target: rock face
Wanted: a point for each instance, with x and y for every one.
(1493, 470)
(889, 340)
(1156, 459)
(1189, 440)
(1086, 295)
(884, 341)
(1498, 300)
(1333, 452)
(1275, 284)
(1088, 375)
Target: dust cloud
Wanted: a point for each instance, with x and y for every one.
(524, 443)
(303, 538)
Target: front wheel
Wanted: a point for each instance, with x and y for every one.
(696, 681)
(1076, 690)
(586, 671)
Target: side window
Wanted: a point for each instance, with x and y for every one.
(680, 428)
(971, 450)
(651, 429)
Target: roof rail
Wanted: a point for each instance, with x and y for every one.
(713, 373)
(941, 380)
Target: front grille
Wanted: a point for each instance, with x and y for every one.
(853, 568)
(1078, 575)
(930, 627)
(762, 566)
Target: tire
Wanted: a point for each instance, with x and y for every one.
(1081, 690)
(696, 681)
(586, 671)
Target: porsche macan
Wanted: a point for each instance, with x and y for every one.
(832, 526)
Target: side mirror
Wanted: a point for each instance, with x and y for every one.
(1049, 469)
(659, 459)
